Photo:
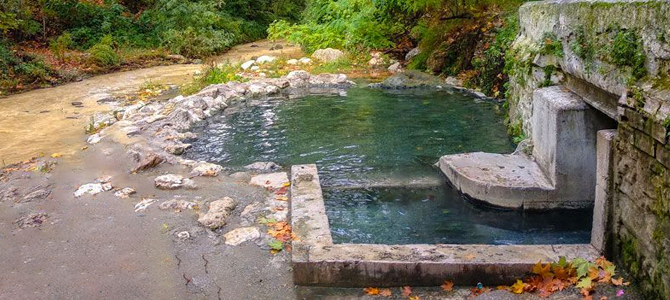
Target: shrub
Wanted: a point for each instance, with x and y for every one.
(102, 53)
(627, 50)
(61, 44)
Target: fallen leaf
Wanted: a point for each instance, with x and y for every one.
(447, 286)
(518, 287)
(414, 298)
(56, 155)
(371, 291)
(470, 256)
(406, 291)
(385, 292)
(585, 283)
(542, 270)
(617, 282)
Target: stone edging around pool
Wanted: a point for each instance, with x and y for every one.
(318, 261)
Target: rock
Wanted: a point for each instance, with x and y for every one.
(377, 60)
(124, 193)
(247, 64)
(176, 57)
(265, 59)
(255, 68)
(241, 235)
(92, 189)
(272, 180)
(480, 95)
(184, 235)
(31, 220)
(173, 182)
(175, 204)
(453, 81)
(144, 204)
(102, 120)
(94, 139)
(300, 74)
(177, 148)
(10, 194)
(409, 80)
(150, 161)
(395, 68)
(263, 166)
(77, 104)
(39, 194)
(276, 47)
(197, 73)
(305, 61)
(412, 53)
(206, 169)
(218, 212)
(327, 55)
(241, 176)
(292, 62)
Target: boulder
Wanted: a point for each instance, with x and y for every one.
(206, 169)
(241, 235)
(327, 55)
(272, 180)
(150, 161)
(218, 212)
(412, 53)
(305, 61)
(247, 64)
(395, 68)
(409, 80)
(263, 166)
(173, 182)
(265, 59)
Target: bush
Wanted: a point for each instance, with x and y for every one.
(63, 43)
(102, 53)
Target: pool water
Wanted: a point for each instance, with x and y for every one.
(372, 136)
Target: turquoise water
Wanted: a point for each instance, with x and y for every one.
(371, 136)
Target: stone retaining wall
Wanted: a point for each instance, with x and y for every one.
(616, 55)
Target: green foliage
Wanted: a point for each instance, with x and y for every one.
(61, 44)
(102, 53)
(213, 75)
(627, 50)
(551, 45)
(582, 46)
(515, 130)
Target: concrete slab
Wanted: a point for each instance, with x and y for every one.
(511, 181)
(318, 261)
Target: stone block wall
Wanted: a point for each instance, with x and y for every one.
(575, 43)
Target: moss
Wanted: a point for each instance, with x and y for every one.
(551, 45)
(515, 130)
(583, 47)
(548, 71)
(630, 255)
(626, 50)
(636, 93)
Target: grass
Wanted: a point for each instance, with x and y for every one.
(213, 74)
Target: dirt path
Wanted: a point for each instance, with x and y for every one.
(45, 121)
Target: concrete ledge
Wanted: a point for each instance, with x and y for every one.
(510, 181)
(317, 261)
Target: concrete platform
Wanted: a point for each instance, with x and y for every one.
(511, 181)
(318, 261)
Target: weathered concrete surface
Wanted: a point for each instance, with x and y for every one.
(513, 181)
(561, 172)
(601, 230)
(317, 261)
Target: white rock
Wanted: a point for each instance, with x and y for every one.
(144, 204)
(292, 62)
(395, 68)
(305, 61)
(246, 65)
(94, 139)
(265, 59)
(327, 55)
(241, 235)
(173, 182)
(304, 75)
(218, 212)
(272, 180)
(263, 166)
(91, 189)
(125, 192)
(412, 53)
(206, 169)
(184, 235)
(177, 204)
(255, 68)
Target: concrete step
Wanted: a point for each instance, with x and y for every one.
(504, 180)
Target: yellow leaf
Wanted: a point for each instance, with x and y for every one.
(447, 286)
(541, 270)
(518, 287)
(286, 184)
(414, 298)
(56, 155)
(617, 282)
(371, 291)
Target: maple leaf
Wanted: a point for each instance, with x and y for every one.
(372, 291)
(585, 283)
(385, 292)
(406, 291)
(518, 287)
(541, 270)
(594, 272)
(605, 277)
(617, 282)
(447, 286)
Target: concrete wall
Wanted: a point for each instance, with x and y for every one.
(636, 229)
